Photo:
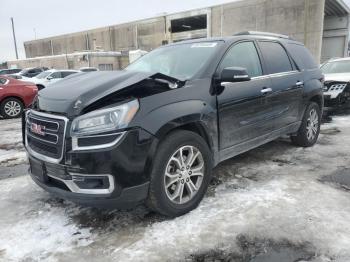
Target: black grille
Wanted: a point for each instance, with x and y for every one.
(45, 135)
(329, 84)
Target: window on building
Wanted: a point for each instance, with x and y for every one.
(243, 55)
(189, 23)
(105, 67)
(276, 58)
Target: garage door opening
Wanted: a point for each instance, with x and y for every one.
(335, 30)
(191, 23)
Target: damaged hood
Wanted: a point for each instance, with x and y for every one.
(71, 95)
(341, 77)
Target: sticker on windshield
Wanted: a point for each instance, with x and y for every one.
(197, 45)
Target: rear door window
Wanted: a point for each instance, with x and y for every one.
(276, 58)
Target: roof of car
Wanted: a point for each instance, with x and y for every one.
(242, 35)
(61, 70)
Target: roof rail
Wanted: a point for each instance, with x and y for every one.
(262, 34)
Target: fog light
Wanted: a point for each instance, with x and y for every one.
(93, 182)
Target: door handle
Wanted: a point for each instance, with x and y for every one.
(299, 84)
(266, 90)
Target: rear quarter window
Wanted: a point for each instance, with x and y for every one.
(302, 56)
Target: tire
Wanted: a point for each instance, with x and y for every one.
(11, 108)
(178, 176)
(310, 127)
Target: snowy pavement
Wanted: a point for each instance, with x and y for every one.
(273, 203)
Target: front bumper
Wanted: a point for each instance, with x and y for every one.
(125, 199)
(114, 176)
(336, 94)
(332, 100)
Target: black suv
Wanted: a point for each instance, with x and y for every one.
(153, 131)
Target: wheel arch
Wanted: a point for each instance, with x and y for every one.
(194, 125)
(13, 96)
(317, 99)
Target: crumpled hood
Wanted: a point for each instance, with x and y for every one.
(72, 94)
(345, 77)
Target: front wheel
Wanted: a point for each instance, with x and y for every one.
(180, 174)
(11, 108)
(310, 127)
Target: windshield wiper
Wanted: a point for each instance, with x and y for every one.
(172, 82)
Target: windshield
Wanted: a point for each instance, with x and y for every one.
(43, 75)
(336, 67)
(181, 61)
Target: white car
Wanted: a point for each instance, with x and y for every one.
(51, 76)
(337, 82)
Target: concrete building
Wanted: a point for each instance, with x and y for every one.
(323, 25)
(103, 60)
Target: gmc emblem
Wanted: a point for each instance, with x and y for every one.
(37, 129)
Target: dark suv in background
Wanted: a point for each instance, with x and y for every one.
(154, 131)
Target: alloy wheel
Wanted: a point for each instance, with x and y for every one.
(312, 125)
(184, 174)
(12, 108)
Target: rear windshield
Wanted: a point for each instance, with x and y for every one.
(302, 56)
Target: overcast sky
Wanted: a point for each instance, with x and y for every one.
(49, 18)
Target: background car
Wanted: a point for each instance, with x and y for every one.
(19, 77)
(31, 72)
(336, 86)
(10, 71)
(15, 95)
(88, 69)
(51, 76)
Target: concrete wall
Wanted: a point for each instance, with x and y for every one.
(301, 19)
(71, 62)
(145, 35)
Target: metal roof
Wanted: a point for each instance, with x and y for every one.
(336, 8)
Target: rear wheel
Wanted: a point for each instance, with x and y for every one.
(11, 108)
(310, 127)
(180, 175)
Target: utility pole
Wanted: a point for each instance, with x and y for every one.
(14, 37)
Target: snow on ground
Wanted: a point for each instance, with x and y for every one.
(273, 192)
(11, 148)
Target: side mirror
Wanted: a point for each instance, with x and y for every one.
(49, 77)
(234, 74)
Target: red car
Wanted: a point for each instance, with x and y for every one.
(15, 95)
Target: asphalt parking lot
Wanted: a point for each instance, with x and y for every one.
(275, 203)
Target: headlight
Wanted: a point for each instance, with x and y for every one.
(104, 120)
